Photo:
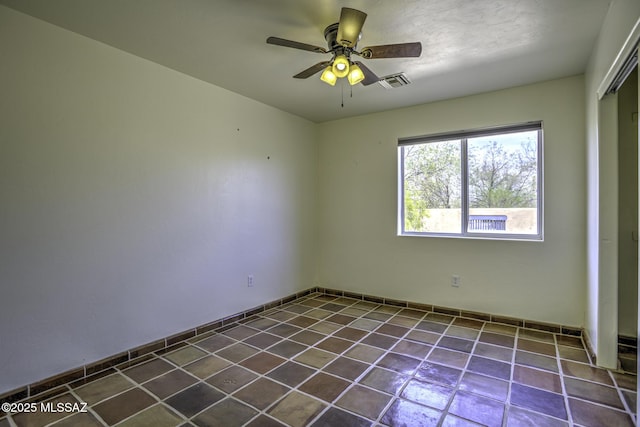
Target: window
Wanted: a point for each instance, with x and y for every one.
(485, 183)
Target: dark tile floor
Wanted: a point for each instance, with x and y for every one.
(328, 361)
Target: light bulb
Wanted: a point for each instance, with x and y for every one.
(340, 66)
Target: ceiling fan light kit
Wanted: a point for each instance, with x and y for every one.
(328, 76)
(342, 39)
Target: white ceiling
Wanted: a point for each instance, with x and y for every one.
(468, 46)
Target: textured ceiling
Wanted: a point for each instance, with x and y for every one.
(468, 46)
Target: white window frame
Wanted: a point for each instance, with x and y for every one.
(463, 136)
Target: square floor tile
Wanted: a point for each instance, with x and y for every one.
(364, 401)
(500, 328)
(240, 332)
(261, 393)
(403, 413)
(485, 386)
(334, 345)
(262, 323)
(453, 421)
(364, 353)
(569, 341)
(457, 344)
(284, 330)
(325, 327)
(346, 368)
(413, 313)
(379, 340)
(226, 413)
(124, 405)
(262, 340)
(337, 417)
(537, 347)
(351, 334)
(340, 319)
(468, 323)
(536, 361)
(490, 367)
(413, 349)
(215, 343)
(103, 388)
(423, 337)
(324, 386)
(307, 337)
(232, 378)
(264, 421)
(399, 363)
(428, 394)
(524, 418)
(291, 373)
(572, 353)
(315, 358)
(194, 399)
(170, 383)
(302, 321)
(393, 330)
(384, 380)
(296, 308)
(148, 370)
(207, 366)
(157, 416)
(184, 355)
(538, 400)
(319, 314)
(297, 409)
(482, 410)
(460, 332)
(287, 348)
(444, 356)
(493, 352)
(439, 318)
(497, 339)
(594, 392)
(407, 322)
(590, 415)
(534, 334)
(262, 362)
(375, 315)
(365, 324)
(237, 352)
(537, 378)
(586, 372)
(429, 326)
(626, 381)
(438, 373)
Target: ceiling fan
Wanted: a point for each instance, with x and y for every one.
(342, 39)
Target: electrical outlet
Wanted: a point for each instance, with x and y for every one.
(250, 280)
(455, 281)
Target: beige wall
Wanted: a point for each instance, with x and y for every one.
(135, 201)
(360, 251)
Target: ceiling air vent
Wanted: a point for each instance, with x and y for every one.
(394, 80)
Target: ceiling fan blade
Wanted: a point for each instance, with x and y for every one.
(350, 26)
(369, 76)
(296, 45)
(312, 70)
(401, 50)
